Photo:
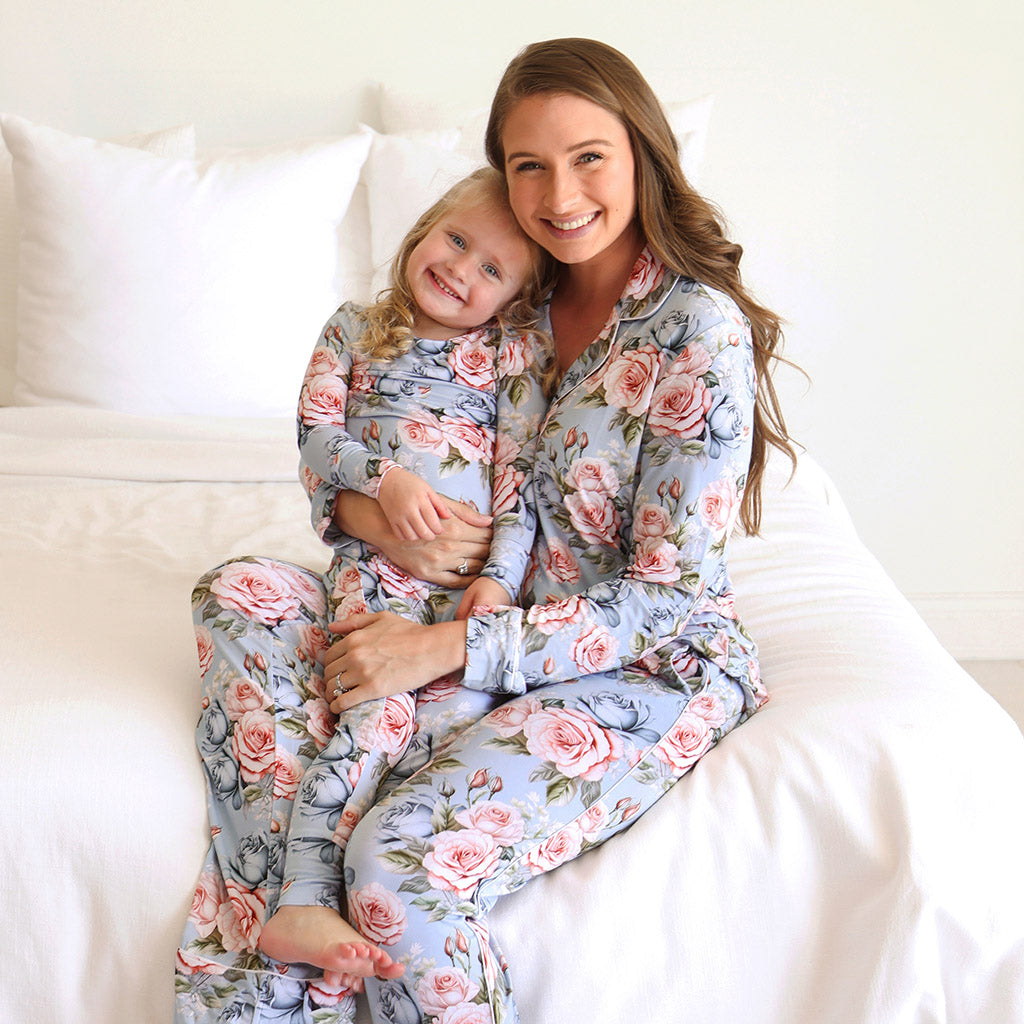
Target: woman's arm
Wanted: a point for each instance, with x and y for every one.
(464, 538)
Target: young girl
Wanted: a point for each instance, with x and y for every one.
(403, 400)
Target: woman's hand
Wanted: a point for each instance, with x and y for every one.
(464, 540)
(380, 654)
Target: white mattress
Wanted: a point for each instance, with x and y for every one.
(851, 854)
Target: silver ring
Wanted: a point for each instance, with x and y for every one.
(463, 569)
(338, 688)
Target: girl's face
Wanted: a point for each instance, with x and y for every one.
(571, 178)
(468, 267)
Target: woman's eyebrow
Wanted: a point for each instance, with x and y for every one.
(572, 149)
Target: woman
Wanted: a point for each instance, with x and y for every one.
(629, 663)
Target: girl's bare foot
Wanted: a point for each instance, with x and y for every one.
(322, 937)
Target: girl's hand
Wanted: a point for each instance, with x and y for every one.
(413, 508)
(465, 539)
(380, 654)
(482, 591)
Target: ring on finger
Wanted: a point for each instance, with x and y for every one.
(338, 688)
(463, 569)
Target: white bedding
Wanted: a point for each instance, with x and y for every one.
(851, 854)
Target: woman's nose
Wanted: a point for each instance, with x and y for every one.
(562, 191)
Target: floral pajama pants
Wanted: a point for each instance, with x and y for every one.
(425, 828)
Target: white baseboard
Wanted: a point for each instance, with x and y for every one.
(975, 626)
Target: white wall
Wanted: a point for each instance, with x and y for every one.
(869, 156)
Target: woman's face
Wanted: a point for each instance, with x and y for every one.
(571, 177)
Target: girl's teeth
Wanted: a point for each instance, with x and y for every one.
(572, 225)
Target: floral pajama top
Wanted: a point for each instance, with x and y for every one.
(458, 413)
(638, 476)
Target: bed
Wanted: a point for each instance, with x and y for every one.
(851, 854)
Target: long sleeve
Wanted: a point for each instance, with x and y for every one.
(630, 555)
(521, 404)
(331, 459)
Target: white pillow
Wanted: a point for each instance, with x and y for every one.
(405, 175)
(179, 141)
(405, 112)
(158, 286)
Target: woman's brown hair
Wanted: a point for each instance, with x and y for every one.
(389, 320)
(681, 228)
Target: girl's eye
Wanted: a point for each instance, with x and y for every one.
(458, 241)
(489, 268)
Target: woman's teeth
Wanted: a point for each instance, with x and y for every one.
(572, 225)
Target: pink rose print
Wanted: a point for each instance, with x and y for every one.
(559, 561)
(206, 901)
(651, 521)
(557, 849)
(324, 360)
(244, 695)
(396, 582)
(188, 963)
(709, 707)
(253, 743)
(694, 359)
(323, 399)
(323, 994)
(576, 745)
(594, 516)
(592, 820)
(679, 406)
(646, 276)
(310, 480)
(421, 429)
(346, 825)
(377, 914)
(259, 592)
(473, 443)
(505, 489)
(348, 593)
(313, 642)
(204, 643)
(501, 821)
(629, 380)
(508, 719)
(593, 474)
(719, 648)
(655, 560)
(719, 505)
(288, 771)
(689, 739)
(320, 722)
(391, 729)
(472, 362)
(550, 618)
(310, 594)
(466, 1013)
(515, 358)
(360, 379)
(595, 649)
(240, 917)
(461, 859)
(444, 987)
(439, 689)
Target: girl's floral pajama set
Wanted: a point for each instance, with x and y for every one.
(625, 664)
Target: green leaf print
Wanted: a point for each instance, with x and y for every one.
(402, 862)
(418, 884)
(516, 744)
(562, 790)
(590, 792)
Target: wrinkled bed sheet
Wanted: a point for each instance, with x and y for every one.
(851, 854)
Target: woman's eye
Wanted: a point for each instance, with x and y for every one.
(589, 158)
(527, 165)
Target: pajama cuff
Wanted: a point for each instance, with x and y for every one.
(493, 646)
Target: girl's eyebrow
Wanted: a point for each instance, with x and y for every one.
(571, 149)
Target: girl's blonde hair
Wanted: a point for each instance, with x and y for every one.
(681, 228)
(389, 320)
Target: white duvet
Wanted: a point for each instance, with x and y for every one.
(851, 854)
